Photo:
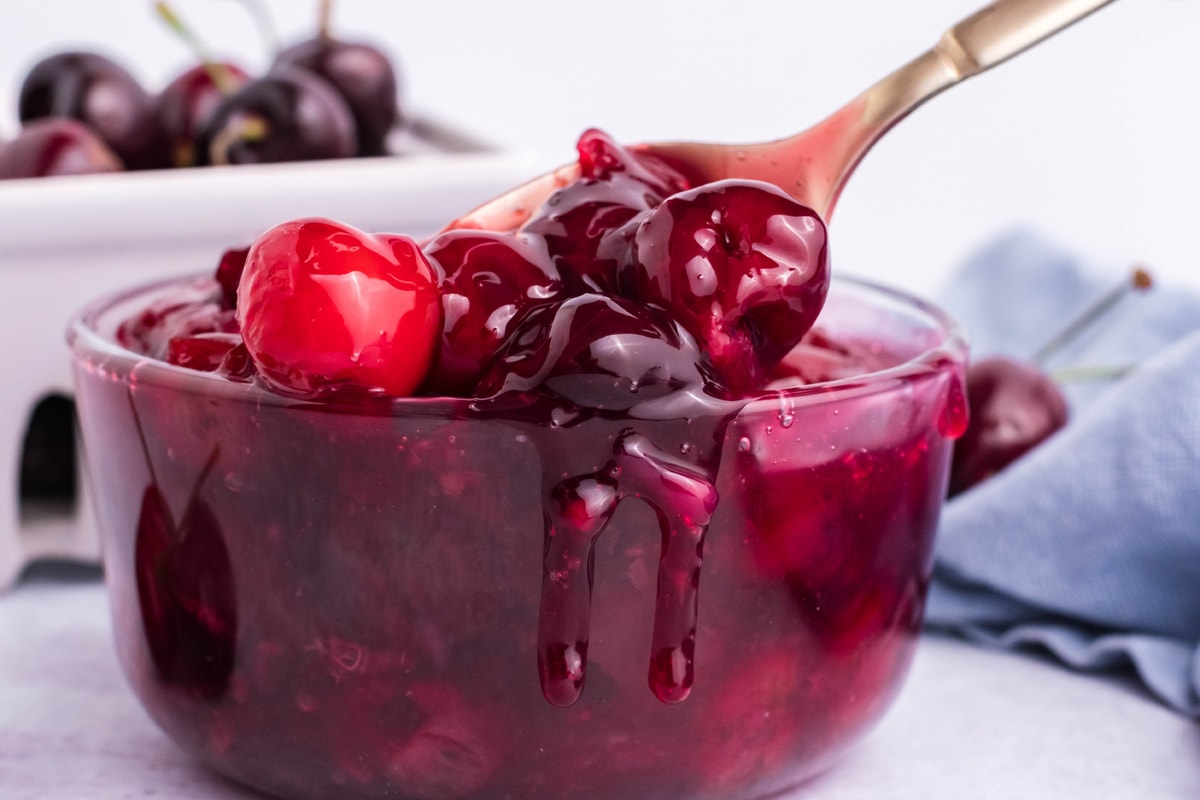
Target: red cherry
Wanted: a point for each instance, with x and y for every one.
(741, 264)
(324, 306)
(491, 280)
(187, 102)
(1013, 408)
(56, 146)
(615, 184)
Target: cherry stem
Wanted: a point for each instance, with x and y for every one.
(265, 24)
(219, 73)
(1089, 374)
(324, 20)
(249, 128)
(1138, 281)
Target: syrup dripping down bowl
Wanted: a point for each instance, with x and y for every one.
(333, 600)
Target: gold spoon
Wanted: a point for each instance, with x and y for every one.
(815, 164)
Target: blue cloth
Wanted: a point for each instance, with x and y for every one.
(1088, 547)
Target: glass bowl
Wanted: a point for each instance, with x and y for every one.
(438, 598)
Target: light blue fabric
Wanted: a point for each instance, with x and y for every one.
(1089, 546)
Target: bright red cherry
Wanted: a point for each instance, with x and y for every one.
(1014, 407)
(490, 280)
(324, 306)
(741, 264)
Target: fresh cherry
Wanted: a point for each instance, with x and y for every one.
(100, 93)
(323, 306)
(56, 146)
(1013, 408)
(615, 184)
(187, 102)
(741, 264)
(229, 274)
(490, 280)
(289, 115)
(363, 76)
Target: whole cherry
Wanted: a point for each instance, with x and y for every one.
(615, 185)
(100, 93)
(288, 115)
(186, 103)
(56, 146)
(490, 281)
(598, 352)
(1013, 407)
(325, 307)
(362, 75)
(744, 267)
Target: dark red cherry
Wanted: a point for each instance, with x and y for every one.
(188, 101)
(289, 115)
(490, 280)
(185, 589)
(598, 352)
(229, 274)
(56, 146)
(100, 93)
(363, 76)
(615, 184)
(1013, 408)
(741, 264)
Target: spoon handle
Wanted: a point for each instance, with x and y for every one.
(981, 41)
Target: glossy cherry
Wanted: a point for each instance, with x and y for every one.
(1014, 407)
(615, 184)
(490, 281)
(323, 306)
(100, 93)
(288, 115)
(229, 274)
(362, 75)
(598, 352)
(741, 264)
(56, 146)
(186, 103)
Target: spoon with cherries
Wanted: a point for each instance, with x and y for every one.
(815, 164)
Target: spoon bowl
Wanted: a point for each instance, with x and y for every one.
(815, 164)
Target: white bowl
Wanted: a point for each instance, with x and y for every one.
(64, 241)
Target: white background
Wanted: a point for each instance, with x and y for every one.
(1091, 137)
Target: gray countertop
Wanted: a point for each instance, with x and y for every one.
(970, 723)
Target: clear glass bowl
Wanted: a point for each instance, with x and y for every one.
(333, 600)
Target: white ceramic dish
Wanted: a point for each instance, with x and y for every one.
(64, 241)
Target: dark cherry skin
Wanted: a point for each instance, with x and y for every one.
(100, 93)
(744, 267)
(363, 76)
(56, 146)
(185, 590)
(599, 352)
(288, 115)
(489, 282)
(186, 103)
(614, 186)
(229, 274)
(1013, 408)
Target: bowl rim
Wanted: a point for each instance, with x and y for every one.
(87, 343)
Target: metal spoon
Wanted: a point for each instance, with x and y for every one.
(815, 164)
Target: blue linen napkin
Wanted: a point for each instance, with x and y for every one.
(1088, 547)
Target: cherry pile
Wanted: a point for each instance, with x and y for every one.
(82, 112)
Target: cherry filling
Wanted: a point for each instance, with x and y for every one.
(601, 374)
